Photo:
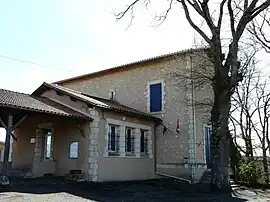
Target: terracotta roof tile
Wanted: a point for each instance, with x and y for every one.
(23, 101)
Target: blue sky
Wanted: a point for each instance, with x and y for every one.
(75, 37)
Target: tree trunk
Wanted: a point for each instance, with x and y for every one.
(265, 167)
(235, 159)
(249, 149)
(220, 138)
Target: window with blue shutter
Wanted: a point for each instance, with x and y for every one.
(156, 97)
(207, 146)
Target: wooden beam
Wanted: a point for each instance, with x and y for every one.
(7, 145)
(19, 122)
(2, 123)
(79, 128)
(12, 134)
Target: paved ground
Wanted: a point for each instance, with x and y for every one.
(155, 190)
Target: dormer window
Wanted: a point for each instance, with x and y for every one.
(112, 94)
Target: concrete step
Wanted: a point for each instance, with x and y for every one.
(206, 177)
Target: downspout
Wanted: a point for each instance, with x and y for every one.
(155, 148)
(155, 159)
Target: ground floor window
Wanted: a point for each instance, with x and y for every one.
(113, 138)
(48, 147)
(207, 145)
(73, 150)
(143, 142)
(130, 140)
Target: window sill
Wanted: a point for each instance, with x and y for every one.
(48, 160)
(130, 154)
(144, 155)
(156, 113)
(112, 154)
(127, 155)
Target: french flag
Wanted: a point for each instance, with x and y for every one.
(177, 126)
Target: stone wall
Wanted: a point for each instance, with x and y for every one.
(131, 88)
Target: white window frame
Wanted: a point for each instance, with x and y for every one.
(132, 152)
(76, 156)
(161, 81)
(145, 142)
(51, 146)
(110, 151)
(121, 152)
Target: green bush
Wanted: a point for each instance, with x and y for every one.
(250, 172)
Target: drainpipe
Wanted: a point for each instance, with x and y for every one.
(193, 135)
(155, 147)
(155, 159)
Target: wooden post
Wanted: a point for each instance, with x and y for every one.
(7, 145)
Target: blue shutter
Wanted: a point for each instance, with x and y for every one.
(155, 97)
(207, 134)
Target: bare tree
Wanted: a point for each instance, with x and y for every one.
(259, 28)
(227, 72)
(261, 127)
(243, 108)
(251, 110)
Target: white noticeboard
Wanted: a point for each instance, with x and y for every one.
(33, 140)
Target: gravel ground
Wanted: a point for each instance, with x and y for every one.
(143, 191)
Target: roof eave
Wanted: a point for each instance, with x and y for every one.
(45, 112)
(144, 61)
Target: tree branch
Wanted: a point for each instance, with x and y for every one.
(195, 27)
(129, 7)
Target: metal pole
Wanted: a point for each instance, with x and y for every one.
(7, 145)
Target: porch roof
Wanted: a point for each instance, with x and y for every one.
(25, 102)
(95, 101)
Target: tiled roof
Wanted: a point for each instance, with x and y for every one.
(95, 101)
(27, 102)
(132, 64)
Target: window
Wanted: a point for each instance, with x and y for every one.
(143, 142)
(113, 140)
(207, 145)
(155, 91)
(48, 144)
(73, 150)
(130, 140)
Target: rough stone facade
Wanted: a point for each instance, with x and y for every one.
(132, 89)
